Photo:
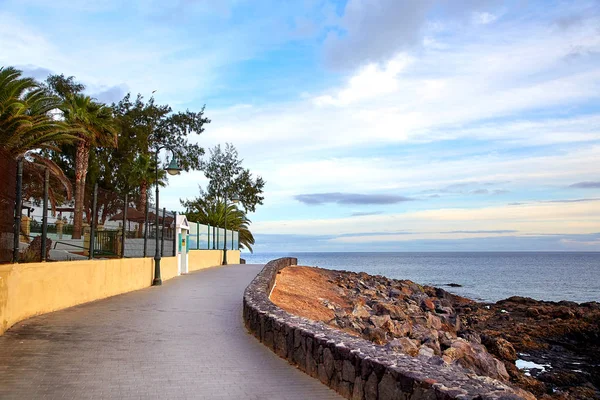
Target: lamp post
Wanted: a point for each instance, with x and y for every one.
(172, 169)
(234, 200)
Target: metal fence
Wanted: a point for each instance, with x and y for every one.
(33, 228)
(206, 237)
(8, 178)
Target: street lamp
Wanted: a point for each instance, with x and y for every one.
(234, 200)
(172, 168)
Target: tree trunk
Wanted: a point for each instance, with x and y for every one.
(142, 204)
(82, 156)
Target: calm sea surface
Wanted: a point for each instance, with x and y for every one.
(483, 276)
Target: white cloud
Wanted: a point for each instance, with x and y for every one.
(370, 82)
(526, 219)
(440, 95)
(437, 95)
(583, 244)
(139, 65)
(484, 18)
(376, 30)
(494, 91)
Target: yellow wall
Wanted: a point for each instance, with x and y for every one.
(200, 259)
(37, 288)
(233, 256)
(168, 268)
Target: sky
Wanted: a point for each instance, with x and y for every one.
(378, 125)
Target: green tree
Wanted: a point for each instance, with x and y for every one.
(227, 177)
(141, 126)
(28, 127)
(63, 86)
(145, 126)
(94, 124)
(25, 120)
(34, 168)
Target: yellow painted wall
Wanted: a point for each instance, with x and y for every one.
(37, 288)
(5, 271)
(233, 256)
(168, 268)
(200, 259)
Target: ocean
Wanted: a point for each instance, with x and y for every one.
(483, 276)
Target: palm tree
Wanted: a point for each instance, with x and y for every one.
(26, 127)
(26, 122)
(141, 173)
(33, 179)
(212, 213)
(94, 125)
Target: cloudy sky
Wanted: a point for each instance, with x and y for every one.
(383, 125)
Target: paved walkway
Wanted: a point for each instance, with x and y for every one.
(184, 340)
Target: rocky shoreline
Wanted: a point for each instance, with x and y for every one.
(555, 345)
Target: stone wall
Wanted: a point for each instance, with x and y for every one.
(354, 367)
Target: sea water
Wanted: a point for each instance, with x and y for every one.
(483, 276)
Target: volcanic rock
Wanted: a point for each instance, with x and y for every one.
(488, 339)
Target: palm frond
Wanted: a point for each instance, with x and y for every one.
(25, 120)
(210, 212)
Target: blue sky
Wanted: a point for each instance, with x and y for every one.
(385, 125)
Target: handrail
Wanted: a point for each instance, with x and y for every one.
(68, 244)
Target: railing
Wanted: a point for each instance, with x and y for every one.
(107, 243)
(35, 229)
(206, 237)
(138, 240)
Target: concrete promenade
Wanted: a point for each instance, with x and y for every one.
(183, 340)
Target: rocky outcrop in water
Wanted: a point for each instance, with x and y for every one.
(562, 338)
(559, 342)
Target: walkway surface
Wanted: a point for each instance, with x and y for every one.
(183, 340)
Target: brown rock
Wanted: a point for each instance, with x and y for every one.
(357, 325)
(369, 292)
(476, 358)
(422, 333)
(360, 311)
(389, 327)
(413, 309)
(404, 345)
(446, 339)
(392, 310)
(433, 345)
(406, 290)
(427, 304)
(376, 335)
(420, 319)
(426, 351)
(380, 320)
(452, 354)
(429, 320)
(402, 328)
(501, 348)
(532, 312)
(434, 321)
